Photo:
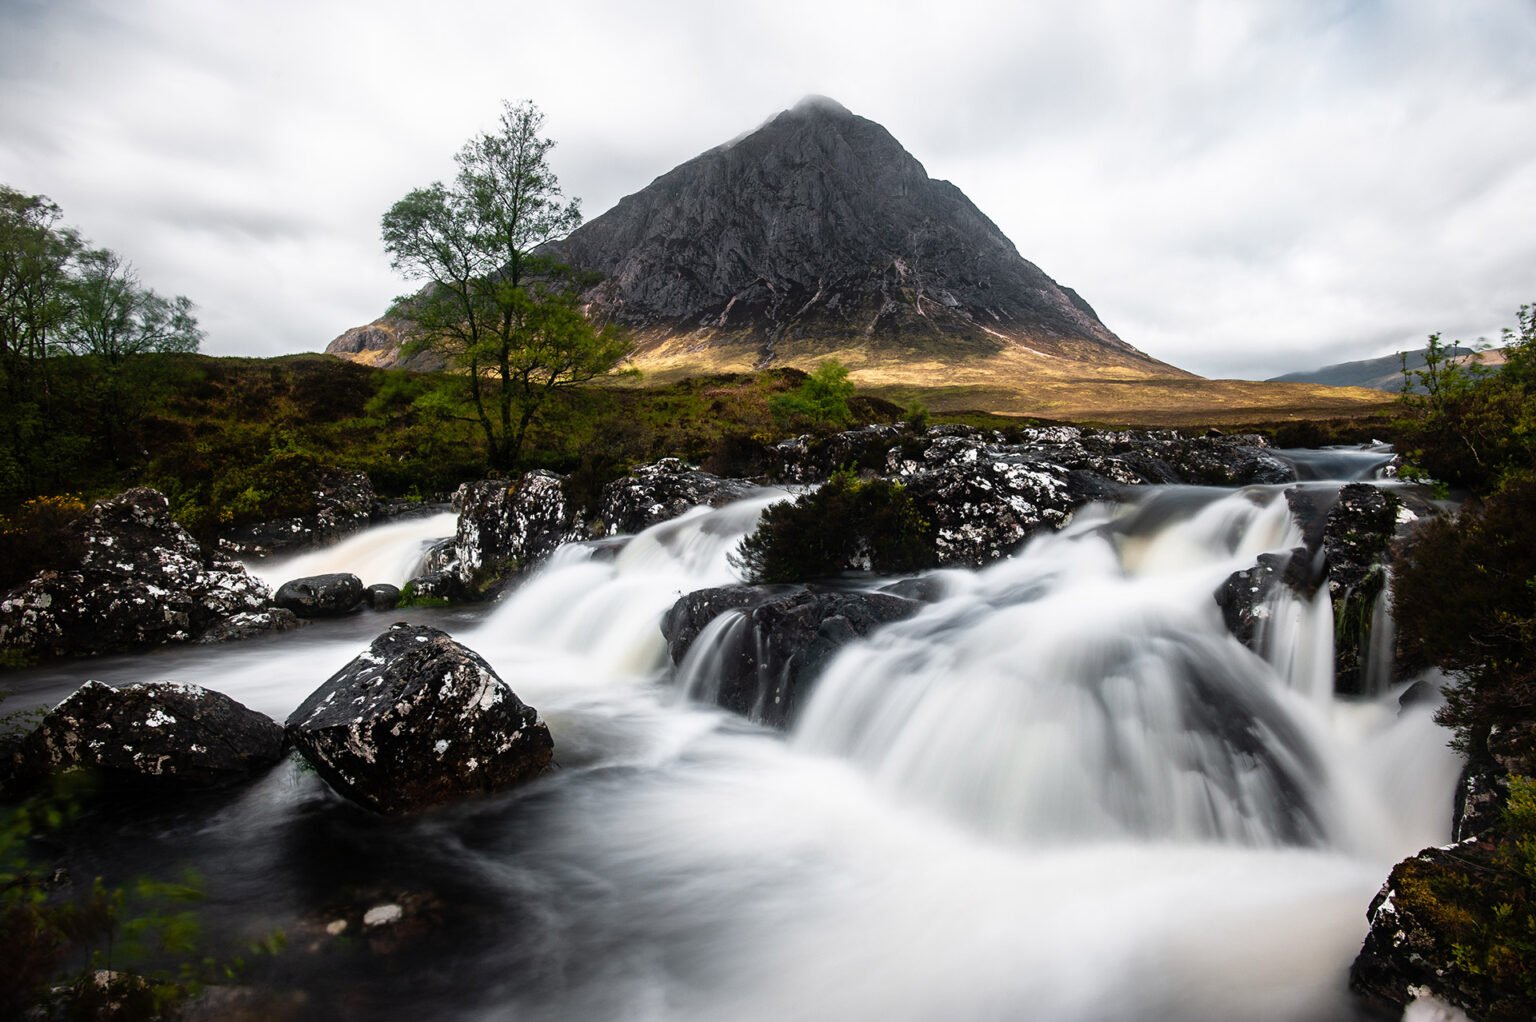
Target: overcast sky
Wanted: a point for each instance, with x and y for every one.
(1240, 188)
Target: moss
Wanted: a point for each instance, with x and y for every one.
(410, 598)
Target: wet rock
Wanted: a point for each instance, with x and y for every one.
(984, 499)
(504, 529)
(382, 596)
(1496, 754)
(330, 595)
(660, 492)
(439, 587)
(418, 720)
(1357, 539)
(135, 579)
(1246, 596)
(250, 625)
(163, 735)
(765, 668)
(440, 556)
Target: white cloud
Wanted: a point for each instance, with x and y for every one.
(1241, 189)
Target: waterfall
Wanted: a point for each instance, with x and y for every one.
(384, 553)
(1060, 791)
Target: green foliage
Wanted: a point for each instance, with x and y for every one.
(410, 598)
(1464, 596)
(508, 319)
(821, 401)
(1467, 425)
(847, 524)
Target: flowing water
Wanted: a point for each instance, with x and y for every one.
(1060, 791)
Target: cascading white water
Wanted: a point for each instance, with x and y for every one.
(1059, 792)
(384, 553)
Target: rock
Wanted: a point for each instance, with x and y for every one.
(162, 735)
(985, 499)
(416, 721)
(344, 502)
(330, 595)
(504, 529)
(1423, 937)
(1495, 755)
(439, 587)
(812, 459)
(660, 492)
(1420, 693)
(136, 579)
(766, 668)
(1245, 597)
(440, 556)
(382, 596)
(250, 624)
(1357, 539)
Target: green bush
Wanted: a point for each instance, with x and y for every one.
(845, 525)
(822, 400)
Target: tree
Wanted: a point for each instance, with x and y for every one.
(35, 261)
(822, 399)
(508, 317)
(113, 317)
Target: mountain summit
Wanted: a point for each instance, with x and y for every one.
(818, 234)
(819, 231)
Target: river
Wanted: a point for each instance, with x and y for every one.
(1060, 792)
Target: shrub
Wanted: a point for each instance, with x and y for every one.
(845, 525)
(822, 400)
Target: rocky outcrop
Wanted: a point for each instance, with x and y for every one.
(507, 528)
(251, 624)
(344, 502)
(1432, 933)
(811, 459)
(136, 579)
(764, 668)
(1246, 596)
(160, 736)
(660, 492)
(330, 595)
(418, 720)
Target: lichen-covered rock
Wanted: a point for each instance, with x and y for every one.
(984, 499)
(136, 579)
(152, 735)
(418, 720)
(504, 529)
(1496, 755)
(329, 595)
(764, 668)
(813, 459)
(250, 624)
(1425, 938)
(660, 492)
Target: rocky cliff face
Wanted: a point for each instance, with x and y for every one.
(820, 226)
(818, 233)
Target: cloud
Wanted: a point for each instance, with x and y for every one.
(1242, 189)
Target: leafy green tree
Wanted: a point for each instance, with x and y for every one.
(114, 317)
(822, 400)
(506, 316)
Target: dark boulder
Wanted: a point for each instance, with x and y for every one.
(660, 492)
(382, 596)
(329, 595)
(135, 579)
(436, 588)
(764, 667)
(985, 499)
(509, 528)
(250, 625)
(813, 459)
(416, 721)
(163, 735)
(1357, 540)
(1246, 596)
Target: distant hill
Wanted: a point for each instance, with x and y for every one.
(818, 235)
(1384, 373)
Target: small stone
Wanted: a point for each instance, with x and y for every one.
(380, 915)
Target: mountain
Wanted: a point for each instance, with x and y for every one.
(1384, 373)
(817, 234)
